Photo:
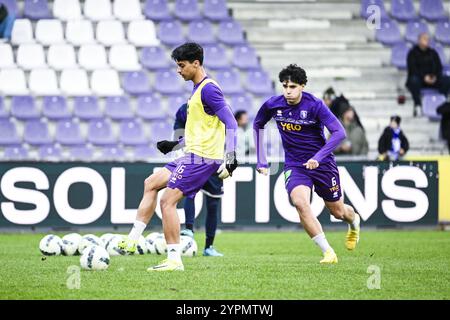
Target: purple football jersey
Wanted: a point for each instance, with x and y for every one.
(301, 127)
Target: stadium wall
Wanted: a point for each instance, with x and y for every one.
(65, 195)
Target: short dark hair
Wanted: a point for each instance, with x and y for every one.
(397, 119)
(238, 114)
(293, 73)
(189, 51)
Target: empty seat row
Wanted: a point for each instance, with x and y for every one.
(389, 32)
(79, 32)
(59, 57)
(99, 132)
(73, 82)
(120, 57)
(125, 10)
(403, 10)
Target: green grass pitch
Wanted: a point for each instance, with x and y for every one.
(256, 265)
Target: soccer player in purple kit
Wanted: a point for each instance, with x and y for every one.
(309, 160)
(210, 125)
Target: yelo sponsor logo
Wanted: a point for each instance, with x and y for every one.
(290, 126)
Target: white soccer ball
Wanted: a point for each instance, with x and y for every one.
(89, 240)
(70, 243)
(51, 245)
(150, 242)
(106, 237)
(189, 246)
(141, 247)
(112, 246)
(160, 244)
(94, 258)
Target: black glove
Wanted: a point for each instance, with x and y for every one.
(231, 162)
(166, 146)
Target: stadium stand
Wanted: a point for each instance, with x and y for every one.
(78, 80)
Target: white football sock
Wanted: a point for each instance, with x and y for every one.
(137, 230)
(322, 242)
(173, 252)
(355, 224)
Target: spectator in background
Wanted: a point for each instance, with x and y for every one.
(356, 141)
(425, 71)
(338, 105)
(244, 135)
(6, 23)
(444, 110)
(393, 144)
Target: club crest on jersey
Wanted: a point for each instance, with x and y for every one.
(303, 114)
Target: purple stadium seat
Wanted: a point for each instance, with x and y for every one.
(9, 134)
(154, 58)
(441, 53)
(118, 108)
(366, 12)
(174, 103)
(149, 107)
(36, 133)
(171, 33)
(187, 10)
(157, 10)
(168, 82)
(201, 32)
(143, 153)
(403, 10)
(24, 108)
(132, 133)
(68, 133)
(259, 83)
(161, 130)
(229, 81)
(399, 55)
(16, 153)
(136, 82)
(12, 7)
(215, 57)
(3, 112)
(430, 102)
(216, 10)
(230, 33)
(100, 133)
(414, 29)
(245, 57)
(389, 33)
(242, 102)
(81, 153)
(112, 153)
(432, 10)
(50, 153)
(55, 108)
(36, 9)
(86, 108)
(442, 33)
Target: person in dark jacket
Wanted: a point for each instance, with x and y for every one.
(425, 71)
(338, 105)
(393, 143)
(6, 22)
(444, 110)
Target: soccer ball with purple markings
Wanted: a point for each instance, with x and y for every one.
(141, 247)
(94, 258)
(150, 242)
(189, 247)
(51, 245)
(89, 240)
(160, 244)
(70, 243)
